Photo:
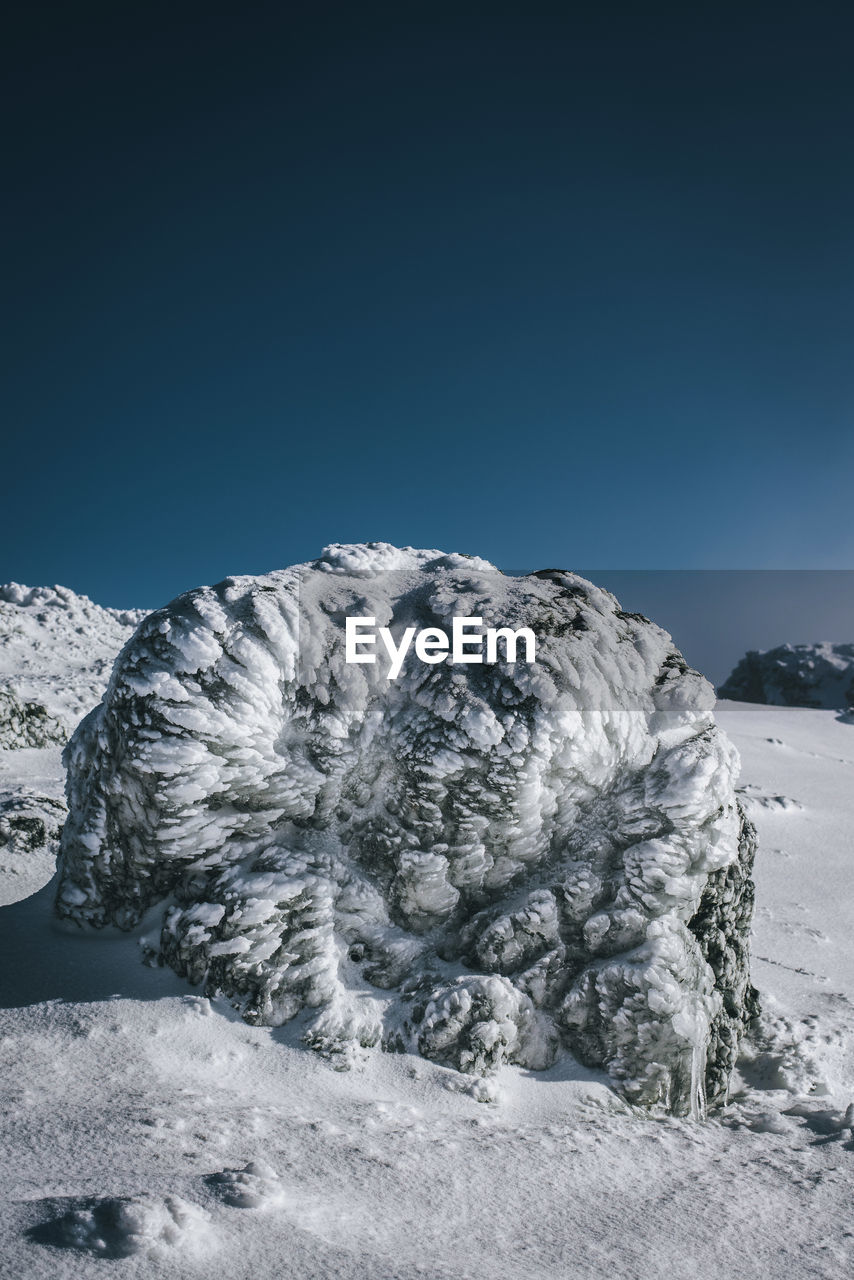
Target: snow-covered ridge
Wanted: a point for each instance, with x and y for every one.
(64, 598)
(795, 675)
(475, 863)
(57, 648)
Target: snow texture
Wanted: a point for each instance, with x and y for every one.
(477, 863)
(795, 675)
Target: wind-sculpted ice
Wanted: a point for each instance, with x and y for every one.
(479, 863)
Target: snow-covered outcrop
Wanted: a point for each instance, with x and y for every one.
(79, 609)
(795, 675)
(26, 724)
(29, 822)
(56, 652)
(476, 862)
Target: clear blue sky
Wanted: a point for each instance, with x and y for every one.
(561, 288)
(715, 616)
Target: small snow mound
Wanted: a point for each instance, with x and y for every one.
(784, 1056)
(120, 1226)
(771, 1122)
(754, 798)
(255, 1186)
(483, 1089)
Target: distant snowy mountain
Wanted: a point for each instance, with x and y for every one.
(795, 675)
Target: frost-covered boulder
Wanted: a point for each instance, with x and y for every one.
(474, 862)
(26, 724)
(29, 821)
(795, 675)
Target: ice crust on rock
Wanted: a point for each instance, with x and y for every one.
(795, 675)
(29, 821)
(475, 862)
(26, 724)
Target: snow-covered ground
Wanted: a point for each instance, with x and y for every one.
(150, 1132)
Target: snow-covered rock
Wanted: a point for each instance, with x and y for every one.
(795, 675)
(29, 821)
(56, 652)
(26, 724)
(475, 862)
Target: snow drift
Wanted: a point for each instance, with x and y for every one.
(795, 675)
(478, 863)
(121, 1226)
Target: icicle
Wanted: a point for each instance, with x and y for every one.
(698, 1077)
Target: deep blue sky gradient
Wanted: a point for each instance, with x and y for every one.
(715, 616)
(555, 284)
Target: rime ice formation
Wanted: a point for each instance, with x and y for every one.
(26, 724)
(474, 862)
(29, 821)
(795, 675)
